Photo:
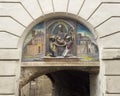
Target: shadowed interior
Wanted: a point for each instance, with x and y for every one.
(61, 83)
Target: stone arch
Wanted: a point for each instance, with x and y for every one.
(32, 73)
(62, 78)
(56, 15)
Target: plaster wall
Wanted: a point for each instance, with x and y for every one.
(102, 17)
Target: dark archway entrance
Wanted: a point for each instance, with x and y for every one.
(64, 83)
(70, 83)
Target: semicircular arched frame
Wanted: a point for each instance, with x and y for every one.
(60, 38)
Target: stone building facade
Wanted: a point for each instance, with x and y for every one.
(17, 17)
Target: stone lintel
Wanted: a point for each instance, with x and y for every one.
(62, 64)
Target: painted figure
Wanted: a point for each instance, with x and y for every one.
(52, 46)
(60, 40)
(69, 42)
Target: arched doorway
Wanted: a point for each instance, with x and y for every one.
(59, 83)
(60, 44)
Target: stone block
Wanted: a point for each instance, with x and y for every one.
(7, 95)
(104, 12)
(110, 54)
(32, 7)
(112, 67)
(8, 40)
(109, 27)
(7, 85)
(49, 5)
(17, 11)
(60, 5)
(74, 6)
(9, 54)
(89, 7)
(8, 68)
(113, 84)
(112, 94)
(10, 25)
(10, 0)
(110, 0)
(111, 41)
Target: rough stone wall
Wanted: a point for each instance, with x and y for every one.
(18, 15)
(41, 86)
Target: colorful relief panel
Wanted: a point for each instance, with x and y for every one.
(60, 38)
